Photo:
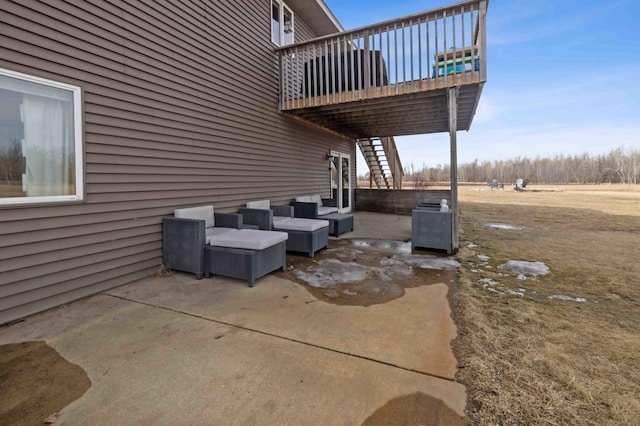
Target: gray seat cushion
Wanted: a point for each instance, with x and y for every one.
(279, 219)
(316, 198)
(261, 205)
(309, 225)
(202, 212)
(211, 232)
(327, 210)
(250, 239)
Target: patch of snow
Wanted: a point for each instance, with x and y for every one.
(422, 261)
(505, 226)
(349, 292)
(487, 282)
(521, 277)
(475, 270)
(514, 293)
(525, 268)
(568, 298)
(328, 272)
(483, 257)
(383, 245)
(472, 245)
(488, 267)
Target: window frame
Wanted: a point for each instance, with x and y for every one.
(281, 12)
(78, 143)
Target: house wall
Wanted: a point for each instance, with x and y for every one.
(180, 109)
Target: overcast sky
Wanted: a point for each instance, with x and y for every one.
(563, 78)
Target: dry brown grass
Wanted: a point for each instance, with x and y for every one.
(532, 360)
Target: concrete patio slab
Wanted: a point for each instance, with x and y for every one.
(413, 332)
(176, 350)
(155, 365)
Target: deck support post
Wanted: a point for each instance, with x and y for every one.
(453, 128)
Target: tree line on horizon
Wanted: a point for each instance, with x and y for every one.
(618, 166)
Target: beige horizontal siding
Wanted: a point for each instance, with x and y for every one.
(180, 109)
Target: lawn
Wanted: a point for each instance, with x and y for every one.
(525, 356)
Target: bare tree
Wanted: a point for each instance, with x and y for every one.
(618, 166)
(11, 163)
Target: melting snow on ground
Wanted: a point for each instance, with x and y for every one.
(505, 226)
(524, 269)
(421, 261)
(383, 245)
(568, 298)
(487, 282)
(328, 272)
(483, 257)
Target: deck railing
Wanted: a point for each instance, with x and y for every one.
(439, 48)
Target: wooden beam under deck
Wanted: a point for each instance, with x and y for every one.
(410, 113)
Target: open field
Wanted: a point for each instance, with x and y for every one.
(529, 359)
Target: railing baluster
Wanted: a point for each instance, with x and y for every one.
(404, 63)
(456, 77)
(411, 53)
(464, 42)
(338, 71)
(333, 72)
(388, 66)
(366, 64)
(444, 50)
(429, 73)
(380, 63)
(325, 85)
(420, 52)
(349, 67)
(372, 64)
(435, 52)
(316, 76)
(395, 52)
(305, 77)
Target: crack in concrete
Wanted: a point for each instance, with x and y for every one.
(264, 333)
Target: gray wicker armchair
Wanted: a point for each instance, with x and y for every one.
(202, 242)
(305, 235)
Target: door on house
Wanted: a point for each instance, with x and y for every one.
(340, 166)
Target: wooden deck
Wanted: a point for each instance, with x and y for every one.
(391, 78)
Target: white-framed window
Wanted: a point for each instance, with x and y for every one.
(282, 23)
(40, 140)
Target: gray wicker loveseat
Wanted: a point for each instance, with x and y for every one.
(316, 207)
(305, 235)
(205, 243)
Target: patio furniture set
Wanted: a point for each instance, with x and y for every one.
(251, 243)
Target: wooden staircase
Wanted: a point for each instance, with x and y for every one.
(381, 155)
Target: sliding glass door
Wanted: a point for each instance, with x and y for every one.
(340, 165)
